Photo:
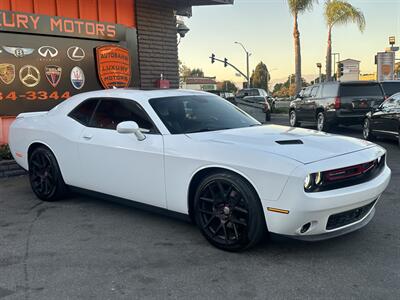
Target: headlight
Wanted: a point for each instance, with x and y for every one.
(312, 181)
(308, 182)
(318, 178)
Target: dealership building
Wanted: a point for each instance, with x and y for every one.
(53, 49)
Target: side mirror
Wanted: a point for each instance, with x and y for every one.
(130, 127)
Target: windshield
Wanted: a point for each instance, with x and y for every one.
(199, 113)
(391, 88)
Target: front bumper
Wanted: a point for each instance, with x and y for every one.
(316, 208)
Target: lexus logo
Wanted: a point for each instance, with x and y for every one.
(29, 75)
(48, 51)
(76, 53)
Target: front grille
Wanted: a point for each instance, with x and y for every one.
(348, 176)
(348, 217)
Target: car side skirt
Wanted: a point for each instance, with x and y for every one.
(131, 203)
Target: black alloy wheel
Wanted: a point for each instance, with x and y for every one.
(367, 133)
(293, 119)
(228, 212)
(45, 176)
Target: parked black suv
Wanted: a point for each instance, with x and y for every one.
(390, 87)
(333, 103)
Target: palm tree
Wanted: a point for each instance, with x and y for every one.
(339, 12)
(297, 7)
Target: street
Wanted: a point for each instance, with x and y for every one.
(85, 247)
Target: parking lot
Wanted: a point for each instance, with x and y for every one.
(85, 247)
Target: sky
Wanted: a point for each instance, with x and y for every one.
(265, 27)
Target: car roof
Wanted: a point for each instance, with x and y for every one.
(140, 96)
(390, 81)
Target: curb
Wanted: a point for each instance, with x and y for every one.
(9, 168)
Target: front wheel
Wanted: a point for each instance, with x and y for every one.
(45, 176)
(367, 132)
(228, 212)
(293, 119)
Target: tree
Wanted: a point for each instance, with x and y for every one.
(197, 72)
(297, 7)
(260, 77)
(339, 12)
(228, 86)
(288, 88)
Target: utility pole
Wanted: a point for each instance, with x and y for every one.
(248, 63)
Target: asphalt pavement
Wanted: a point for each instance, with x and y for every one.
(83, 247)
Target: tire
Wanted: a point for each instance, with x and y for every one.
(267, 116)
(293, 119)
(273, 107)
(399, 138)
(322, 124)
(228, 212)
(367, 134)
(45, 176)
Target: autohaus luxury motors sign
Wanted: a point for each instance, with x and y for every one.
(44, 60)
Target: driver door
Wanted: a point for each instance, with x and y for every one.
(119, 164)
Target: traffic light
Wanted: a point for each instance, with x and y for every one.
(340, 69)
(225, 62)
(212, 58)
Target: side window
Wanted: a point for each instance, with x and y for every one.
(307, 92)
(314, 91)
(330, 90)
(111, 112)
(255, 92)
(84, 111)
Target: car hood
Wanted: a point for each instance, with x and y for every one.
(303, 145)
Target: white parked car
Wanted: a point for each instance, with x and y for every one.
(196, 154)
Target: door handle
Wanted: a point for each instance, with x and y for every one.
(87, 136)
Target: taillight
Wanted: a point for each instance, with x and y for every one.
(337, 102)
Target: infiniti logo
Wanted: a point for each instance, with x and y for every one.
(48, 51)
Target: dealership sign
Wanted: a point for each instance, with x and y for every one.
(113, 66)
(45, 60)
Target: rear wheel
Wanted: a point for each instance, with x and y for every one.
(45, 176)
(367, 132)
(293, 119)
(322, 124)
(268, 116)
(228, 212)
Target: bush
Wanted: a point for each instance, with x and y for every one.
(5, 152)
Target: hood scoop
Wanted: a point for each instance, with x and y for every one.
(290, 142)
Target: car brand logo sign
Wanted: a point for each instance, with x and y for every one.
(53, 74)
(75, 53)
(113, 66)
(18, 52)
(48, 51)
(7, 73)
(29, 75)
(77, 78)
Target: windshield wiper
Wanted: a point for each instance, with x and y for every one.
(209, 129)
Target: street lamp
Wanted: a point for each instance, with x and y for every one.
(319, 66)
(248, 61)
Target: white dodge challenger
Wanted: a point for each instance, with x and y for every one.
(196, 154)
